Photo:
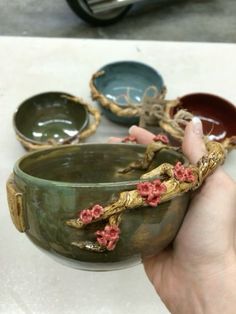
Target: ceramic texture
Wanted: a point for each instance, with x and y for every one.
(217, 114)
(126, 78)
(50, 117)
(81, 176)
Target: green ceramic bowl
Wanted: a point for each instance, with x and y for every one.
(50, 187)
(121, 84)
(48, 119)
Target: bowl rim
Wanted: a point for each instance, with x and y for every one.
(148, 66)
(44, 182)
(29, 140)
(137, 62)
(231, 104)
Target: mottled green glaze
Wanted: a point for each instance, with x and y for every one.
(50, 116)
(126, 78)
(58, 183)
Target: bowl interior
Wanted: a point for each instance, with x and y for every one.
(90, 163)
(217, 114)
(127, 81)
(50, 116)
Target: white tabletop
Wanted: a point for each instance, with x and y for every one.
(31, 282)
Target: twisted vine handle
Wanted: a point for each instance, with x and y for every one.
(120, 111)
(96, 119)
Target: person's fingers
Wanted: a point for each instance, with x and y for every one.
(142, 136)
(193, 144)
(113, 140)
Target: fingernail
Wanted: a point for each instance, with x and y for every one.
(132, 128)
(197, 126)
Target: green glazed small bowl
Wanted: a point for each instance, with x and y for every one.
(50, 119)
(119, 88)
(50, 187)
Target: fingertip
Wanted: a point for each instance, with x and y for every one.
(143, 136)
(132, 129)
(113, 140)
(193, 145)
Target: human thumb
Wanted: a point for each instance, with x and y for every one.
(193, 145)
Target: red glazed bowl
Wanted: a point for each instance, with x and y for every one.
(218, 115)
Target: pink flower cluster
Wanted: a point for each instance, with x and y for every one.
(151, 191)
(87, 215)
(129, 139)
(183, 174)
(161, 138)
(108, 237)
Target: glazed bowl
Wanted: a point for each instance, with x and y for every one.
(120, 87)
(77, 203)
(218, 116)
(79, 177)
(52, 118)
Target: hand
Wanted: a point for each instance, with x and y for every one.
(197, 274)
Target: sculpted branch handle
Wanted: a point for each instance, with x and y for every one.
(157, 186)
(208, 163)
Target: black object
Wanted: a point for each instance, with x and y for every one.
(82, 9)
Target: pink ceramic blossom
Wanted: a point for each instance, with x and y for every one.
(179, 172)
(129, 138)
(151, 191)
(86, 216)
(183, 174)
(101, 238)
(159, 186)
(108, 237)
(112, 232)
(161, 138)
(144, 188)
(97, 211)
(153, 200)
(189, 175)
(111, 245)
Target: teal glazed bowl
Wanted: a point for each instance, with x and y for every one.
(120, 87)
(49, 119)
(52, 192)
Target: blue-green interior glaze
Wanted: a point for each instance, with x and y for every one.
(60, 182)
(50, 116)
(127, 78)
